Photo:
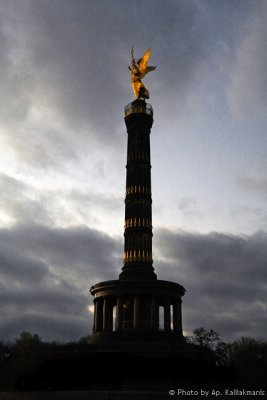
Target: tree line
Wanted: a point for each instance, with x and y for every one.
(24, 356)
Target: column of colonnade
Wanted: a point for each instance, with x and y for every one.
(136, 313)
(119, 309)
(103, 314)
(167, 315)
(154, 319)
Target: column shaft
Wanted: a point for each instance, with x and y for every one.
(99, 316)
(180, 318)
(136, 320)
(119, 314)
(107, 314)
(94, 324)
(176, 317)
(154, 321)
(167, 315)
(138, 203)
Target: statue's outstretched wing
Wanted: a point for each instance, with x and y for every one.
(142, 64)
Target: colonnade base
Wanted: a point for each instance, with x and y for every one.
(137, 311)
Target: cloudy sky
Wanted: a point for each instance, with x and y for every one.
(64, 82)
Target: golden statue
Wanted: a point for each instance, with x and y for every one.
(138, 70)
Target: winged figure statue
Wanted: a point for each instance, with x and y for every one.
(138, 70)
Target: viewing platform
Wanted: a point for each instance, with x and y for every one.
(138, 106)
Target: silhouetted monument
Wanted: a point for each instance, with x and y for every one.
(127, 311)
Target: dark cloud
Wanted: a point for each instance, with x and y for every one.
(45, 276)
(50, 327)
(225, 277)
(14, 265)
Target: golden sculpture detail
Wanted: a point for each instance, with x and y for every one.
(138, 70)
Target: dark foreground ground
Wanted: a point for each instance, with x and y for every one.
(92, 395)
(74, 375)
(124, 395)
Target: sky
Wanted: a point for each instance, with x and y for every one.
(64, 83)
